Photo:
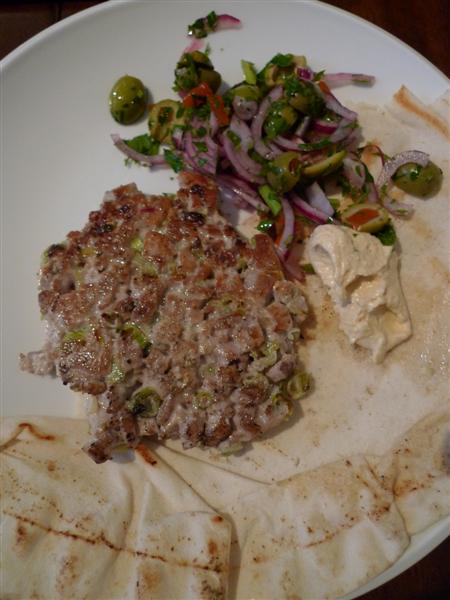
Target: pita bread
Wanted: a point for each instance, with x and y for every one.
(318, 534)
(315, 510)
(118, 530)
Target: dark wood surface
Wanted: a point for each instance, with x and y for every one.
(425, 26)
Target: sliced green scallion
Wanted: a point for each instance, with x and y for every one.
(270, 198)
(144, 403)
(116, 375)
(298, 385)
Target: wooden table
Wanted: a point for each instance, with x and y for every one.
(425, 26)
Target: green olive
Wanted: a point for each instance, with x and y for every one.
(211, 77)
(325, 166)
(194, 68)
(280, 118)
(284, 172)
(127, 100)
(246, 91)
(419, 181)
(163, 117)
(304, 97)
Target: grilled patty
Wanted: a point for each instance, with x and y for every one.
(177, 325)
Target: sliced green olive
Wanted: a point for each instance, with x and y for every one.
(127, 100)
(194, 68)
(200, 58)
(419, 181)
(144, 403)
(284, 172)
(211, 77)
(366, 217)
(163, 117)
(304, 97)
(248, 68)
(280, 118)
(246, 91)
(325, 166)
(274, 74)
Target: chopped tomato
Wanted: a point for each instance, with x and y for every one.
(324, 87)
(214, 100)
(362, 216)
(279, 226)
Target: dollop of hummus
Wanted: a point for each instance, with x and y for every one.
(362, 277)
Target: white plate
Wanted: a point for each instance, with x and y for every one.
(57, 159)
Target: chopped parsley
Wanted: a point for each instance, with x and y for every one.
(234, 138)
(174, 160)
(315, 145)
(387, 235)
(282, 60)
(204, 25)
(201, 146)
(144, 144)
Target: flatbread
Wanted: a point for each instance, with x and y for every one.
(73, 529)
(134, 529)
(313, 511)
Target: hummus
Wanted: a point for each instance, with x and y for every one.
(362, 279)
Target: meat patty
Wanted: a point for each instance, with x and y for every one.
(177, 325)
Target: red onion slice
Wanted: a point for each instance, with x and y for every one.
(337, 79)
(308, 211)
(235, 160)
(323, 126)
(304, 126)
(227, 22)
(240, 189)
(291, 262)
(354, 171)
(288, 144)
(372, 194)
(317, 199)
(287, 234)
(353, 141)
(333, 104)
(343, 130)
(391, 165)
(399, 209)
(194, 46)
(208, 159)
(258, 121)
(142, 159)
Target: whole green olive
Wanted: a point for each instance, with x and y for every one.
(419, 181)
(284, 172)
(127, 100)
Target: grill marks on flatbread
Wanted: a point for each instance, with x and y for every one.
(318, 534)
(127, 530)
